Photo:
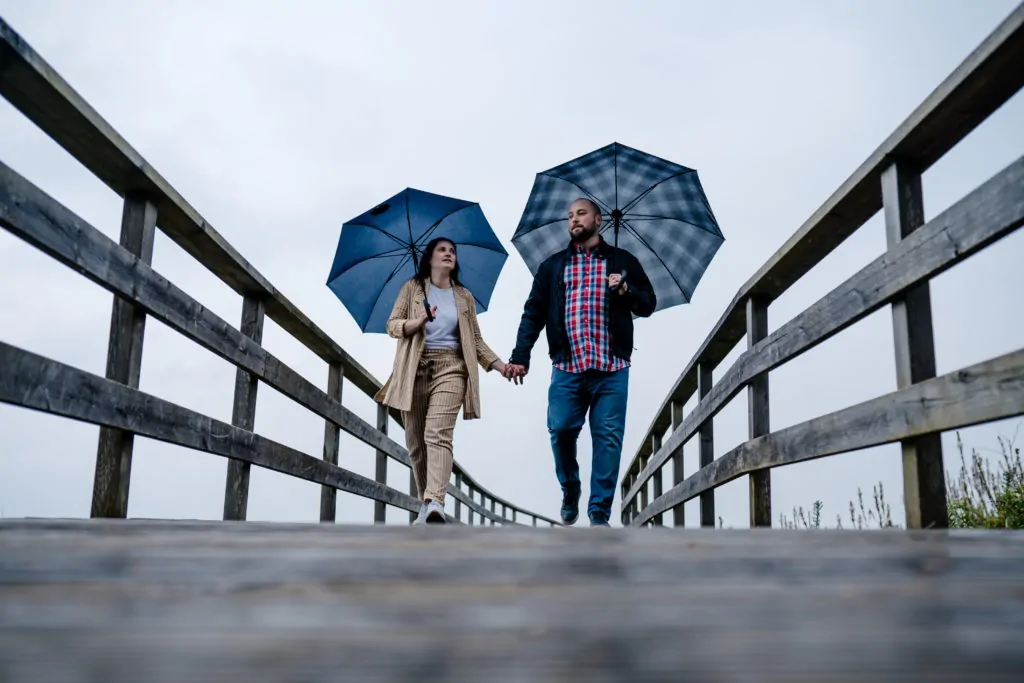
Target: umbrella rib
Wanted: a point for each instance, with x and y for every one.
(389, 279)
(644, 217)
(374, 227)
(591, 196)
(657, 256)
(650, 189)
(429, 231)
(385, 254)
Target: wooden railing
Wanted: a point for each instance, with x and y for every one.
(923, 405)
(114, 402)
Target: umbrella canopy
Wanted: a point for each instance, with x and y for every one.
(380, 249)
(653, 208)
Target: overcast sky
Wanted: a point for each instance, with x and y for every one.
(279, 121)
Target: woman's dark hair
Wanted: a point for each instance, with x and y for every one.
(423, 271)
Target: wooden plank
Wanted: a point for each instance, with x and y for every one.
(984, 392)
(381, 471)
(458, 501)
(658, 484)
(758, 422)
(332, 436)
(924, 481)
(679, 511)
(38, 383)
(164, 601)
(989, 213)
(707, 446)
(243, 414)
(111, 481)
(31, 215)
(29, 83)
(980, 85)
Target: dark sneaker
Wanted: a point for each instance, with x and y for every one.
(570, 508)
(599, 519)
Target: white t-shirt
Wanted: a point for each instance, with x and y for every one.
(443, 333)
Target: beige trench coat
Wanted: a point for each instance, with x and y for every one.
(397, 391)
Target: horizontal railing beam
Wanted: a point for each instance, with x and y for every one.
(989, 213)
(980, 85)
(984, 392)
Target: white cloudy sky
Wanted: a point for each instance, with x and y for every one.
(278, 121)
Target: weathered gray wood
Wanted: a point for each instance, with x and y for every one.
(987, 214)
(243, 414)
(36, 218)
(381, 470)
(332, 436)
(32, 381)
(458, 501)
(111, 482)
(758, 422)
(924, 482)
(707, 446)
(494, 517)
(679, 511)
(165, 602)
(986, 79)
(992, 390)
(415, 494)
(658, 485)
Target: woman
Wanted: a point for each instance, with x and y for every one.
(435, 370)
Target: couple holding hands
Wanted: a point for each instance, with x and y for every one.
(585, 296)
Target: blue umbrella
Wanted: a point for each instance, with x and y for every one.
(655, 209)
(380, 249)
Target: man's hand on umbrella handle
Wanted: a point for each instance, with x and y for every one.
(616, 282)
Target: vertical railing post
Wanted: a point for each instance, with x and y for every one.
(381, 474)
(707, 445)
(658, 485)
(243, 413)
(679, 511)
(469, 510)
(757, 415)
(332, 434)
(458, 503)
(414, 493)
(924, 481)
(644, 497)
(112, 476)
(493, 511)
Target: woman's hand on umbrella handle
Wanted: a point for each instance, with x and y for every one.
(419, 322)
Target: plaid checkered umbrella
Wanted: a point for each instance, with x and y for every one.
(655, 209)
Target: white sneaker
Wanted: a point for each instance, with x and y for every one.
(421, 518)
(434, 513)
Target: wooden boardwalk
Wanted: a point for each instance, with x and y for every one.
(163, 601)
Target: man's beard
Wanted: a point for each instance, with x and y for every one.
(583, 235)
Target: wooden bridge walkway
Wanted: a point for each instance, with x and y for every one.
(491, 597)
(169, 601)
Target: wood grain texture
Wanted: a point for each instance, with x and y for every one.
(332, 435)
(168, 601)
(31, 85)
(992, 211)
(112, 477)
(987, 391)
(243, 413)
(981, 84)
(924, 481)
(707, 445)
(758, 415)
(31, 215)
(32, 381)
(381, 468)
(679, 511)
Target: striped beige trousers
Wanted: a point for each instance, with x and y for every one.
(437, 395)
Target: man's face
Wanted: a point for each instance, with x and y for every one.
(584, 222)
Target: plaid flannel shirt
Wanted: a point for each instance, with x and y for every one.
(586, 314)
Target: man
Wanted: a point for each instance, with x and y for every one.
(585, 296)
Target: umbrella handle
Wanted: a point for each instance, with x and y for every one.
(426, 307)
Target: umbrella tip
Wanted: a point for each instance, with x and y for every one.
(378, 210)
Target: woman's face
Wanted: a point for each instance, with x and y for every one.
(443, 257)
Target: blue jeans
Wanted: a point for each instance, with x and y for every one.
(570, 396)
